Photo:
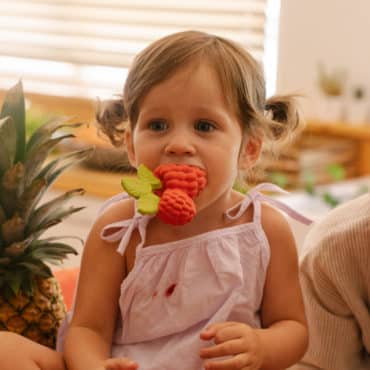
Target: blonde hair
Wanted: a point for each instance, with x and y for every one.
(240, 75)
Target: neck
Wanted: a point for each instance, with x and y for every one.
(209, 218)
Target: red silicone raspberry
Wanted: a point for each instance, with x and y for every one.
(190, 179)
(175, 207)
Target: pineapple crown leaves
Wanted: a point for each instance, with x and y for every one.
(45, 131)
(20, 271)
(42, 143)
(21, 277)
(142, 188)
(50, 250)
(36, 158)
(50, 172)
(25, 175)
(31, 154)
(53, 211)
(8, 146)
(14, 107)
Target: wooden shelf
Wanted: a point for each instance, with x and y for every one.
(340, 129)
(359, 133)
(80, 110)
(95, 183)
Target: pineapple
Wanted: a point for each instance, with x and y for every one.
(31, 301)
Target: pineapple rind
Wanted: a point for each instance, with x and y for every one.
(36, 317)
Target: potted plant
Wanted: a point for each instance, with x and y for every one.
(331, 86)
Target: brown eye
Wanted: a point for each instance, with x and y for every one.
(204, 126)
(158, 125)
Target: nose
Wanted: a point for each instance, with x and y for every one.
(180, 145)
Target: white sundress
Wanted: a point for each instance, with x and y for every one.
(177, 289)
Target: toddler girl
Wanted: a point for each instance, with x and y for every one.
(221, 291)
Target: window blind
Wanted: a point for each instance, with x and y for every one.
(84, 47)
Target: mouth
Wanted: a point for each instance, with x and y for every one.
(187, 164)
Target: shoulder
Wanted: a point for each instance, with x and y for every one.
(273, 220)
(274, 223)
(279, 234)
(119, 211)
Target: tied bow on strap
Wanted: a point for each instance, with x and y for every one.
(122, 231)
(255, 195)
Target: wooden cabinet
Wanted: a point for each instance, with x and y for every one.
(360, 134)
(320, 153)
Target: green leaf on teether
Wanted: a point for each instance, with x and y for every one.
(141, 188)
(148, 204)
(135, 187)
(146, 175)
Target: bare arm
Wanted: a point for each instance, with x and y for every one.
(284, 336)
(20, 353)
(88, 341)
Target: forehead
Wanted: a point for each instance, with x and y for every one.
(192, 90)
(197, 77)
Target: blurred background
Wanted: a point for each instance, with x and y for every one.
(70, 53)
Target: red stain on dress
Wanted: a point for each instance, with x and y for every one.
(170, 290)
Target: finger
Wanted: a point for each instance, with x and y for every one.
(234, 331)
(122, 367)
(120, 364)
(210, 331)
(231, 347)
(238, 362)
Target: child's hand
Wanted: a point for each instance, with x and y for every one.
(122, 363)
(232, 339)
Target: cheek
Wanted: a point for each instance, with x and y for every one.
(225, 166)
(146, 152)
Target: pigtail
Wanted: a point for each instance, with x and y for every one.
(110, 118)
(280, 123)
(283, 117)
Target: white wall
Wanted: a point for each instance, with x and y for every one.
(335, 32)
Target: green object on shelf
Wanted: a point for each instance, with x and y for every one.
(336, 171)
(279, 178)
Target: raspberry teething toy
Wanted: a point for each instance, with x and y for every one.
(189, 179)
(174, 187)
(176, 207)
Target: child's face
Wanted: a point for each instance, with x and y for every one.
(185, 119)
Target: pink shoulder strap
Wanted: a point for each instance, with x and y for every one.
(122, 230)
(116, 198)
(255, 197)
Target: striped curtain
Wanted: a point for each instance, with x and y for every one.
(84, 47)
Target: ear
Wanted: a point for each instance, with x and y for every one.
(129, 144)
(250, 152)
